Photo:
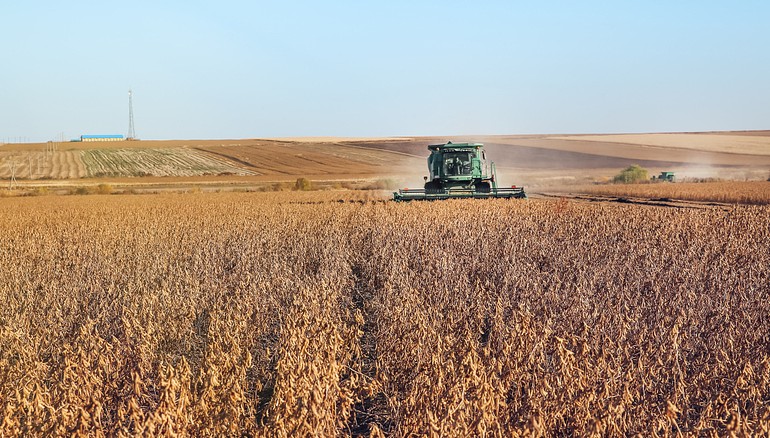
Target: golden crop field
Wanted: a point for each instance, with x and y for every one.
(730, 192)
(329, 314)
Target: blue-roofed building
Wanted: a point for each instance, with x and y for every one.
(101, 138)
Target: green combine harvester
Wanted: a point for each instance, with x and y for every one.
(459, 170)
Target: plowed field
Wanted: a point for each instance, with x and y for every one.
(530, 160)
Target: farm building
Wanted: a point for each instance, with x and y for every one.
(101, 138)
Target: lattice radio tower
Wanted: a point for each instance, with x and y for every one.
(131, 133)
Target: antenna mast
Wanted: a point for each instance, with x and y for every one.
(131, 133)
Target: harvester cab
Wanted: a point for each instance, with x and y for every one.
(459, 170)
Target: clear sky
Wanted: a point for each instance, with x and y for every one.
(242, 69)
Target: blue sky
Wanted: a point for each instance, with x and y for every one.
(238, 69)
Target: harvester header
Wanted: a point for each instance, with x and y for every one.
(459, 170)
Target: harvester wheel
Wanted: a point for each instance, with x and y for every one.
(483, 187)
(433, 187)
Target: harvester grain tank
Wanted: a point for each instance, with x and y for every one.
(459, 170)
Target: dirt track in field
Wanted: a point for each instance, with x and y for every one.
(650, 202)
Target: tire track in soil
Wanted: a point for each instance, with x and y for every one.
(56, 165)
(257, 170)
(79, 164)
(71, 166)
(227, 157)
(216, 164)
(372, 409)
(650, 202)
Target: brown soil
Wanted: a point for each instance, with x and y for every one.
(522, 159)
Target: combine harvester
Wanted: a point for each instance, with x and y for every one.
(459, 170)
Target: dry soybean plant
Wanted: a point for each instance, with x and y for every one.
(296, 314)
(729, 192)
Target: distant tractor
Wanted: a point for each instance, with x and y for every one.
(665, 176)
(459, 170)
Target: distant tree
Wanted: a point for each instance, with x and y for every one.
(631, 175)
(302, 184)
